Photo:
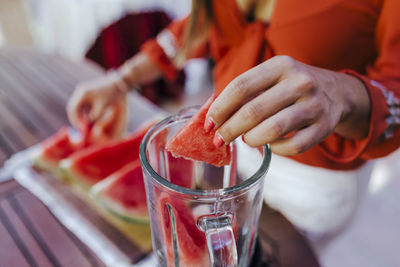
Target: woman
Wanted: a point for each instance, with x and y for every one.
(318, 80)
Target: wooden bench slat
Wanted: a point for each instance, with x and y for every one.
(3, 157)
(44, 81)
(28, 115)
(17, 129)
(35, 93)
(7, 187)
(121, 241)
(29, 242)
(32, 102)
(49, 81)
(87, 70)
(12, 256)
(52, 236)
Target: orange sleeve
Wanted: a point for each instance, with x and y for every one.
(162, 49)
(382, 81)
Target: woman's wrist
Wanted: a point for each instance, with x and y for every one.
(127, 74)
(355, 123)
(121, 86)
(136, 71)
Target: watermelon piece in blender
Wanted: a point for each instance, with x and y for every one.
(193, 142)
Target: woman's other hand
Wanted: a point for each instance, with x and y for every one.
(289, 105)
(102, 103)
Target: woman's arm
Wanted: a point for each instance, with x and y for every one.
(161, 56)
(138, 70)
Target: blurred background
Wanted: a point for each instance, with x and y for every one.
(69, 27)
(91, 29)
(74, 28)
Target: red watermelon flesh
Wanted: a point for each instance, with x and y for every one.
(191, 242)
(57, 147)
(193, 142)
(92, 165)
(123, 193)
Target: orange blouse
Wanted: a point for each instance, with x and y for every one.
(357, 37)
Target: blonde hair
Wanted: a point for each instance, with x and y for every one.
(196, 29)
(202, 15)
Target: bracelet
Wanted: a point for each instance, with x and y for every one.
(123, 85)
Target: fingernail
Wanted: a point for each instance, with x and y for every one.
(244, 141)
(218, 141)
(208, 124)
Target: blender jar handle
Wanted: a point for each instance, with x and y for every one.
(220, 240)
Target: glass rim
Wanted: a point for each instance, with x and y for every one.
(183, 115)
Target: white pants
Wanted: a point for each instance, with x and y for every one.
(319, 202)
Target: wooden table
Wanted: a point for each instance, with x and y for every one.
(34, 88)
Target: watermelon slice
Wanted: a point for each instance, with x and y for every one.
(89, 166)
(57, 147)
(60, 146)
(193, 142)
(123, 193)
(179, 229)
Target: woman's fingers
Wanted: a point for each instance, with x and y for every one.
(288, 120)
(243, 88)
(103, 124)
(75, 108)
(112, 121)
(281, 78)
(256, 110)
(97, 110)
(300, 141)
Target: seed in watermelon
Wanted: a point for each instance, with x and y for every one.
(179, 228)
(193, 142)
(92, 165)
(123, 193)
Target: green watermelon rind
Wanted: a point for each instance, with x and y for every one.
(139, 219)
(84, 182)
(114, 208)
(41, 162)
(67, 170)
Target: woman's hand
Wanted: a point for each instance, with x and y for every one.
(289, 105)
(102, 103)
